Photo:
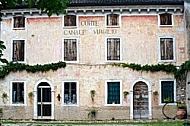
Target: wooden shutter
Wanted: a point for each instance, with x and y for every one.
(165, 19)
(70, 20)
(19, 22)
(113, 49)
(70, 50)
(112, 20)
(18, 50)
(113, 93)
(166, 49)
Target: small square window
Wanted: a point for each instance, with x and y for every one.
(18, 92)
(18, 51)
(113, 49)
(19, 22)
(70, 21)
(166, 19)
(70, 50)
(112, 20)
(166, 49)
(167, 91)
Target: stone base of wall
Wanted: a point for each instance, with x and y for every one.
(65, 113)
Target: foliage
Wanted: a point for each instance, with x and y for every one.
(4, 97)
(30, 95)
(2, 47)
(168, 100)
(92, 113)
(92, 93)
(13, 67)
(48, 6)
(125, 93)
(181, 105)
(155, 93)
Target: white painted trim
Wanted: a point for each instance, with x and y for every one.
(172, 17)
(149, 97)
(35, 116)
(121, 50)
(12, 104)
(70, 27)
(25, 24)
(72, 37)
(24, 50)
(174, 49)
(168, 79)
(77, 93)
(118, 26)
(121, 96)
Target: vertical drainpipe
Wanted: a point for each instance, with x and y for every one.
(187, 25)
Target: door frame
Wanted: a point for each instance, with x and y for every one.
(149, 98)
(35, 116)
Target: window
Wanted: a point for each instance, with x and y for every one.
(166, 49)
(112, 20)
(70, 92)
(70, 20)
(70, 50)
(18, 50)
(165, 19)
(113, 92)
(18, 92)
(113, 49)
(167, 90)
(19, 22)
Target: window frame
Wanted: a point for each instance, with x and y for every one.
(106, 92)
(114, 26)
(106, 49)
(11, 90)
(19, 28)
(77, 92)
(160, 91)
(63, 21)
(24, 50)
(77, 41)
(159, 20)
(159, 49)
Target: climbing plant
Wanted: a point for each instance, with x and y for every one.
(13, 67)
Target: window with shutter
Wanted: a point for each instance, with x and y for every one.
(18, 50)
(113, 93)
(112, 20)
(19, 22)
(113, 48)
(166, 19)
(70, 20)
(70, 49)
(166, 49)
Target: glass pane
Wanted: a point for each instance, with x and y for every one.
(167, 90)
(113, 93)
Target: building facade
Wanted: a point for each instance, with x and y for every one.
(94, 39)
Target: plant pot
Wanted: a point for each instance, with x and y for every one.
(181, 113)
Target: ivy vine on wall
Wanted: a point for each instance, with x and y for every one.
(13, 67)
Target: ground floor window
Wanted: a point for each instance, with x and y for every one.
(167, 90)
(113, 92)
(18, 92)
(70, 93)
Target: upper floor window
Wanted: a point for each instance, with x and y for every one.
(166, 19)
(18, 50)
(19, 22)
(113, 92)
(166, 49)
(70, 20)
(112, 20)
(167, 91)
(70, 92)
(18, 93)
(113, 49)
(70, 50)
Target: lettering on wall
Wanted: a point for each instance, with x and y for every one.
(92, 31)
